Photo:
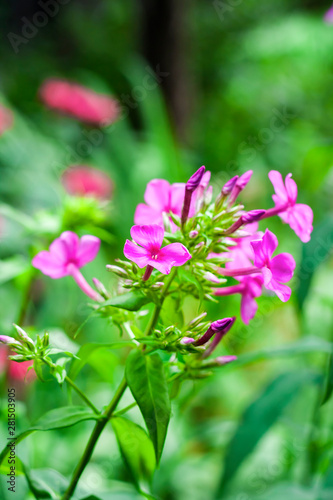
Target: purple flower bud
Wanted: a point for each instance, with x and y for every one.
(240, 185)
(224, 360)
(195, 179)
(100, 287)
(220, 326)
(191, 186)
(186, 340)
(244, 179)
(229, 185)
(252, 216)
(193, 234)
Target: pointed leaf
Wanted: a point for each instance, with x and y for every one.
(137, 451)
(146, 379)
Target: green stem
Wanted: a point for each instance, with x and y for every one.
(82, 395)
(98, 429)
(153, 320)
(125, 410)
(108, 413)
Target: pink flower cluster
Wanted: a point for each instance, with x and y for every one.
(81, 180)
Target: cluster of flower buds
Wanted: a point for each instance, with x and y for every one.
(25, 348)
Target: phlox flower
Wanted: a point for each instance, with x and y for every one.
(275, 270)
(328, 17)
(297, 215)
(146, 250)
(66, 255)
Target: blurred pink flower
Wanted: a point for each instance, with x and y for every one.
(328, 17)
(67, 254)
(150, 253)
(6, 119)
(81, 180)
(15, 370)
(276, 270)
(297, 215)
(79, 102)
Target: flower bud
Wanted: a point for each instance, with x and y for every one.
(252, 216)
(186, 340)
(223, 360)
(195, 180)
(119, 271)
(197, 320)
(219, 326)
(241, 183)
(229, 185)
(100, 288)
(193, 234)
(4, 339)
(22, 334)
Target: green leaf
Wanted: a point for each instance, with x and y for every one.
(314, 253)
(59, 418)
(146, 379)
(132, 301)
(137, 451)
(46, 483)
(86, 351)
(290, 491)
(260, 416)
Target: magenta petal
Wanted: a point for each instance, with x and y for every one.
(50, 265)
(88, 249)
(248, 308)
(282, 267)
(71, 243)
(282, 291)
(136, 254)
(270, 243)
(300, 219)
(157, 194)
(291, 188)
(177, 194)
(267, 276)
(258, 251)
(171, 255)
(147, 215)
(149, 236)
(276, 179)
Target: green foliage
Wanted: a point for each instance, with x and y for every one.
(137, 450)
(146, 379)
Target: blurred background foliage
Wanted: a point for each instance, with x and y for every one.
(242, 85)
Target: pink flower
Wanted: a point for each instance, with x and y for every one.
(161, 197)
(6, 119)
(297, 215)
(329, 15)
(250, 286)
(16, 371)
(80, 180)
(66, 255)
(79, 102)
(276, 270)
(150, 253)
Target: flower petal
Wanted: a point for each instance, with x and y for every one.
(270, 243)
(248, 308)
(136, 254)
(282, 291)
(291, 188)
(282, 267)
(157, 194)
(299, 218)
(171, 255)
(281, 193)
(177, 194)
(149, 237)
(50, 264)
(147, 215)
(88, 249)
(71, 244)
